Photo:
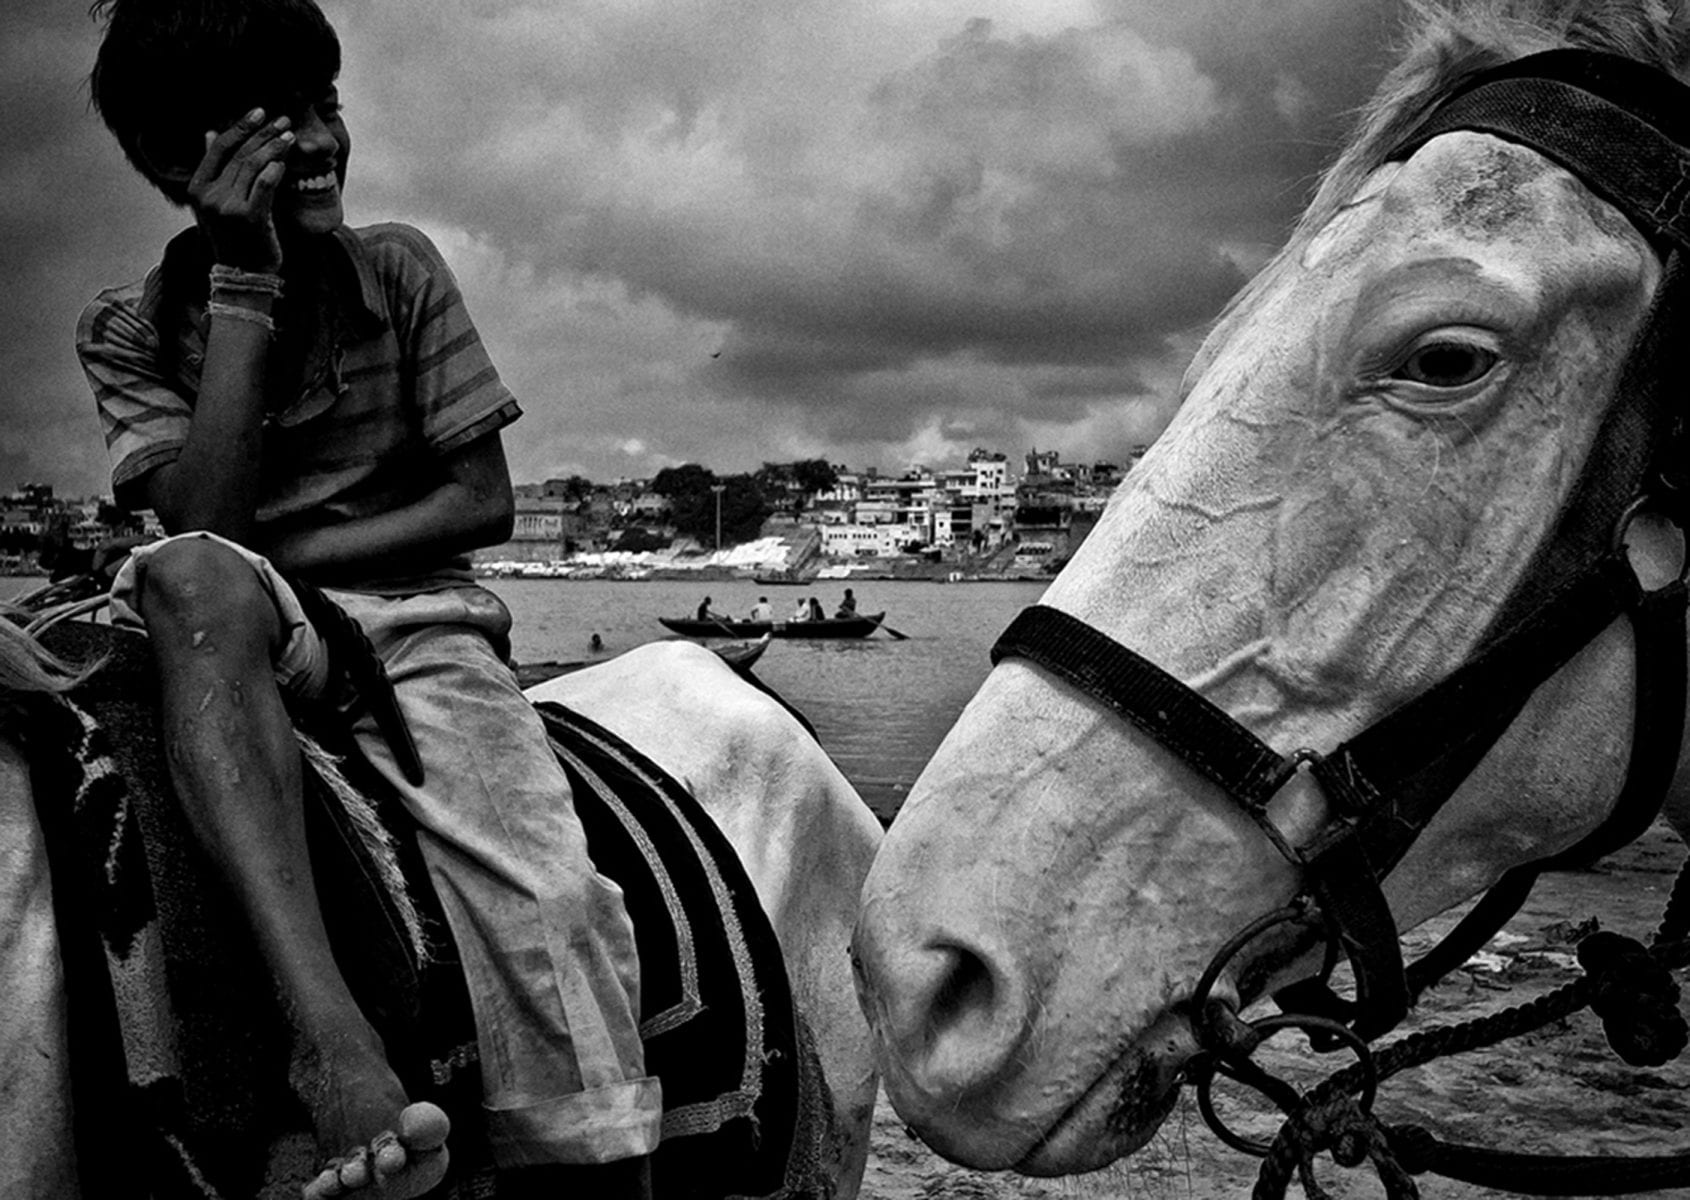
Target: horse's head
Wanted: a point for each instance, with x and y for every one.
(1373, 449)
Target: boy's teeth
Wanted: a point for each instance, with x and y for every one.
(316, 183)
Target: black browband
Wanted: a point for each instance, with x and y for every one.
(1623, 129)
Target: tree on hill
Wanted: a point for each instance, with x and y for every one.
(692, 503)
(684, 480)
(796, 482)
(573, 489)
(814, 475)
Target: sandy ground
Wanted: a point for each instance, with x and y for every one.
(1560, 1091)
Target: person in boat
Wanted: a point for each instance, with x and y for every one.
(297, 398)
(595, 643)
(801, 612)
(705, 612)
(762, 610)
(814, 607)
(847, 605)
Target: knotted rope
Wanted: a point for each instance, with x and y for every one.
(1628, 986)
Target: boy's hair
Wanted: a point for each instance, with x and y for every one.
(168, 70)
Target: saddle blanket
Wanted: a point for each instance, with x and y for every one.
(180, 1057)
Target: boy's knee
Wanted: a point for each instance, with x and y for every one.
(198, 582)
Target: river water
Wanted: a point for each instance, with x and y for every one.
(880, 706)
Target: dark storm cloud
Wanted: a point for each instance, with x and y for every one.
(743, 231)
(70, 214)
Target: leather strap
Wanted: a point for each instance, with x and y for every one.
(1202, 734)
(1621, 127)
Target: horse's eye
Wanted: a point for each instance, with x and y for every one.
(1446, 364)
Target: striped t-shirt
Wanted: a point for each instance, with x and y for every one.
(398, 377)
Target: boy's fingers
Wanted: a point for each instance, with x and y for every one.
(261, 147)
(264, 187)
(221, 147)
(256, 157)
(248, 180)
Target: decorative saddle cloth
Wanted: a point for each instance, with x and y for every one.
(180, 1057)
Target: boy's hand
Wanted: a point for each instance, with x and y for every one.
(232, 190)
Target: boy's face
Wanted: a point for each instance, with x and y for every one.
(308, 202)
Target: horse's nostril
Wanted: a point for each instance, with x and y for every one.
(968, 1019)
(949, 1010)
(965, 992)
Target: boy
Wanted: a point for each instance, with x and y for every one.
(288, 393)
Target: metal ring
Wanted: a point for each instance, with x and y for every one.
(1304, 1022)
(1229, 949)
(1281, 1094)
(1206, 1108)
(1645, 504)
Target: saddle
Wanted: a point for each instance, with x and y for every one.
(176, 1038)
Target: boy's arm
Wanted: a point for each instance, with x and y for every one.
(213, 483)
(471, 507)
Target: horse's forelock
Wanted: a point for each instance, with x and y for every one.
(1446, 43)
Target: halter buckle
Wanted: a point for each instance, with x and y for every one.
(1668, 513)
(1293, 762)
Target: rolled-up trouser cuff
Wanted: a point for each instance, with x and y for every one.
(621, 1120)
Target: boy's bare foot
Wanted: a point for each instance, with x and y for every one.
(378, 1141)
(399, 1164)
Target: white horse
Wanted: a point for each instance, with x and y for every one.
(1373, 444)
(802, 833)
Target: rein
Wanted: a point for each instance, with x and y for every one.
(1623, 129)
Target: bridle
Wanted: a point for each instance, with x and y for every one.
(1624, 130)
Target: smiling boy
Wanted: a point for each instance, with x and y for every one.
(296, 398)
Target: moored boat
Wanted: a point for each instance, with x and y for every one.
(741, 656)
(829, 627)
(781, 579)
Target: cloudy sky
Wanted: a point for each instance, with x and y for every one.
(734, 231)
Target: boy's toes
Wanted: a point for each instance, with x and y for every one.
(400, 1165)
(341, 1176)
(414, 1160)
(388, 1154)
(327, 1184)
(355, 1170)
(424, 1126)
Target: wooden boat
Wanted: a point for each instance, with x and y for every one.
(830, 627)
(741, 656)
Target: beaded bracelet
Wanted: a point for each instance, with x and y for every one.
(235, 280)
(241, 313)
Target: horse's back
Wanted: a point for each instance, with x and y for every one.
(803, 835)
(800, 828)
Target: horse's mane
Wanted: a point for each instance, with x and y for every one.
(1446, 43)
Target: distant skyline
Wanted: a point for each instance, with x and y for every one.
(950, 462)
(739, 231)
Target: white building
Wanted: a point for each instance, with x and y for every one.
(868, 541)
